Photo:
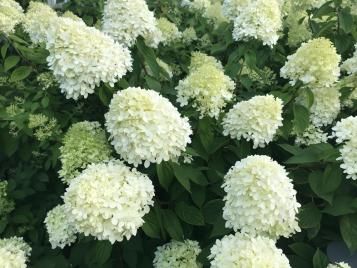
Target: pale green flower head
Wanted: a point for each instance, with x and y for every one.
(244, 251)
(298, 31)
(6, 205)
(315, 63)
(262, 77)
(189, 35)
(138, 119)
(326, 106)
(350, 65)
(43, 126)
(176, 254)
(84, 143)
(14, 252)
(311, 135)
(257, 119)
(71, 15)
(307, 4)
(344, 132)
(170, 32)
(46, 80)
(11, 14)
(109, 200)
(208, 89)
(125, 20)
(261, 20)
(199, 59)
(39, 18)
(59, 227)
(260, 198)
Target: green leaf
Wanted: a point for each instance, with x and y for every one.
(206, 133)
(342, 205)
(151, 225)
(20, 73)
(189, 214)
(4, 49)
(101, 252)
(182, 177)
(309, 216)
(324, 184)
(348, 228)
(315, 153)
(320, 259)
(104, 95)
(303, 250)
(149, 56)
(250, 58)
(153, 83)
(198, 194)
(291, 149)
(165, 174)
(11, 62)
(213, 210)
(45, 101)
(172, 224)
(346, 20)
(219, 228)
(301, 118)
(8, 144)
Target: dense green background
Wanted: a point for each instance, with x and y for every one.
(188, 202)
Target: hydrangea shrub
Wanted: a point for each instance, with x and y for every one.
(188, 133)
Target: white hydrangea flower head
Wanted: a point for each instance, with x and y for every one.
(60, 229)
(308, 4)
(196, 5)
(214, 13)
(326, 106)
(345, 129)
(79, 65)
(109, 201)
(176, 254)
(344, 132)
(125, 20)
(256, 119)
(210, 9)
(260, 198)
(39, 18)
(315, 63)
(189, 35)
(298, 31)
(206, 86)
(199, 59)
(71, 15)
(137, 121)
(350, 65)
(349, 158)
(84, 143)
(260, 19)
(170, 32)
(232, 8)
(14, 252)
(311, 135)
(11, 14)
(241, 250)
(339, 265)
